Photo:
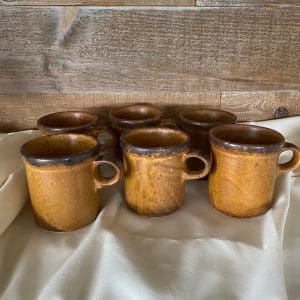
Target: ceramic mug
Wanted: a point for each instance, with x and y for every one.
(198, 122)
(77, 122)
(245, 167)
(134, 116)
(155, 169)
(64, 178)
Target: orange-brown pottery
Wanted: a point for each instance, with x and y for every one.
(134, 116)
(63, 178)
(245, 168)
(198, 122)
(77, 122)
(155, 169)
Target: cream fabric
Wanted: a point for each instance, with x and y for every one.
(196, 253)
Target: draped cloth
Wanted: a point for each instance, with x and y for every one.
(195, 253)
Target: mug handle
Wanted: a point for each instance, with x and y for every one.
(101, 181)
(294, 163)
(98, 134)
(188, 174)
(169, 123)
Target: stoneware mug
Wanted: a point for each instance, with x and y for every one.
(64, 178)
(155, 169)
(134, 116)
(198, 122)
(77, 122)
(245, 167)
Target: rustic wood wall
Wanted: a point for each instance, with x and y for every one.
(242, 56)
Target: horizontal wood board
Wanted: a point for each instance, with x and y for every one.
(20, 111)
(242, 59)
(82, 49)
(101, 2)
(203, 3)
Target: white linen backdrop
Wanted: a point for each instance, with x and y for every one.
(196, 253)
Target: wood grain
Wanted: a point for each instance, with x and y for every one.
(83, 49)
(260, 105)
(101, 2)
(21, 111)
(232, 3)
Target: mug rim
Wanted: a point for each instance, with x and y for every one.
(65, 129)
(232, 118)
(246, 147)
(131, 122)
(160, 151)
(67, 160)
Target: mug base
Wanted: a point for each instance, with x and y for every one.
(241, 216)
(48, 227)
(158, 214)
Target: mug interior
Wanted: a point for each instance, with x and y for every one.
(68, 119)
(136, 112)
(151, 140)
(208, 116)
(247, 136)
(60, 148)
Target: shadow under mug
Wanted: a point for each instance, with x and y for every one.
(63, 178)
(77, 122)
(245, 167)
(155, 170)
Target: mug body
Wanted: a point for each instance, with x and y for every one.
(153, 171)
(198, 122)
(61, 180)
(67, 122)
(244, 171)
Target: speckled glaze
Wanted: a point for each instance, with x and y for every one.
(245, 167)
(63, 179)
(155, 169)
(198, 122)
(77, 122)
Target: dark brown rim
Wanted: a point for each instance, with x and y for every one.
(161, 151)
(232, 118)
(62, 129)
(257, 148)
(131, 123)
(66, 160)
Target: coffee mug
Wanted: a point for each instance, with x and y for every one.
(245, 167)
(77, 122)
(154, 161)
(134, 116)
(198, 122)
(63, 179)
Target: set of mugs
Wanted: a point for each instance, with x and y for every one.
(158, 156)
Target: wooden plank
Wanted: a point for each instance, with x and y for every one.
(89, 49)
(232, 3)
(260, 105)
(20, 111)
(101, 2)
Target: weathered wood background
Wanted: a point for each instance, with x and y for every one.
(242, 56)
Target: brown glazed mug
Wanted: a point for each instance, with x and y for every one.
(198, 122)
(245, 167)
(155, 169)
(63, 178)
(77, 122)
(134, 116)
